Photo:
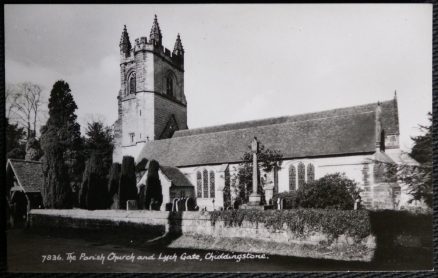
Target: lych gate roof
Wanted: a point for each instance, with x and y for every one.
(29, 174)
(305, 136)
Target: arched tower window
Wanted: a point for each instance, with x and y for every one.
(301, 174)
(169, 85)
(199, 184)
(310, 172)
(212, 187)
(131, 84)
(205, 183)
(292, 178)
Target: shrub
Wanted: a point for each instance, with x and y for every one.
(334, 191)
(127, 183)
(113, 186)
(153, 192)
(333, 223)
(93, 193)
(290, 199)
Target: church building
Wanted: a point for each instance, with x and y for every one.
(152, 125)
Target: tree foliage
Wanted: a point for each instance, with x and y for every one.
(267, 159)
(60, 142)
(15, 148)
(127, 183)
(153, 197)
(419, 178)
(24, 106)
(333, 191)
(33, 149)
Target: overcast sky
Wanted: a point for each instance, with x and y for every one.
(242, 62)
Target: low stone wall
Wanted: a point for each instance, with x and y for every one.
(196, 230)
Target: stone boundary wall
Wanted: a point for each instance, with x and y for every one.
(195, 230)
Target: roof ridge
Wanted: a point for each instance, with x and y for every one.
(23, 160)
(272, 118)
(274, 124)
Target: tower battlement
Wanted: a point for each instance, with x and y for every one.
(154, 44)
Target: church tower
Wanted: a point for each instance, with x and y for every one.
(151, 100)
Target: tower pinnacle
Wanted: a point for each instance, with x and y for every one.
(125, 44)
(178, 48)
(155, 34)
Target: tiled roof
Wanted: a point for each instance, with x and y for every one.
(337, 134)
(389, 119)
(175, 175)
(28, 173)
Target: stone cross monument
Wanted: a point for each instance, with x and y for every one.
(254, 197)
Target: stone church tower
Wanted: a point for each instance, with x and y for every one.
(151, 100)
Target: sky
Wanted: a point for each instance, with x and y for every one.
(242, 62)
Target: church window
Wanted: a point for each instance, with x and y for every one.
(212, 189)
(132, 83)
(169, 85)
(205, 183)
(292, 178)
(310, 172)
(199, 184)
(132, 134)
(301, 174)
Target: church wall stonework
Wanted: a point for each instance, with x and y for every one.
(164, 109)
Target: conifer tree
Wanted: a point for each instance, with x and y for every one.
(93, 193)
(113, 186)
(60, 142)
(127, 183)
(153, 192)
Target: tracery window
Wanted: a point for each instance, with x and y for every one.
(301, 174)
(199, 184)
(205, 183)
(132, 83)
(212, 186)
(310, 172)
(292, 178)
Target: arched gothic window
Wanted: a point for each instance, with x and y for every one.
(131, 84)
(310, 172)
(169, 85)
(212, 187)
(292, 178)
(205, 183)
(199, 184)
(301, 174)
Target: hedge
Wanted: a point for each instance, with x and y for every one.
(333, 223)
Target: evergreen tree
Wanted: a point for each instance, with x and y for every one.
(153, 192)
(61, 143)
(113, 186)
(100, 142)
(127, 184)
(419, 178)
(94, 192)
